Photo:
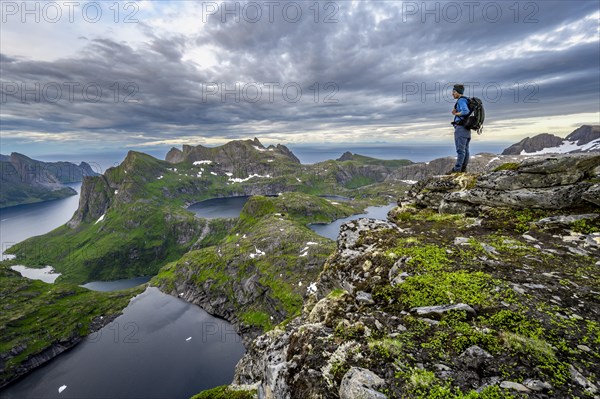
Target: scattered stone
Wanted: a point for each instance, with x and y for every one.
(399, 279)
(437, 311)
(565, 220)
(518, 289)
(584, 348)
(528, 237)
(474, 357)
(581, 380)
(360, 383)
(537, 385)
(364, 298)
(441, 367)
(578, 251)
(461, 241)
(535, 286)
(489, 249)
(515, 386)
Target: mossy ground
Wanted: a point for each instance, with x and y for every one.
(536, 306)
(224, 392)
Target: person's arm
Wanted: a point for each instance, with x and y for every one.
(462, 108)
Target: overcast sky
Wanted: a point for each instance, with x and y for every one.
(113, 75)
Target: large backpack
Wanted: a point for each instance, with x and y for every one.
(474, 120)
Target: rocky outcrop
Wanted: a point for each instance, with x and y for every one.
(479, 163)
(428, 305)
(94, 200)
(544, 183)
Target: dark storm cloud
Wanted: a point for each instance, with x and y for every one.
(375, 54)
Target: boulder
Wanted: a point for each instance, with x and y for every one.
(359, 383)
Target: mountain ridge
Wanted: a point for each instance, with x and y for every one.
(26, 180)
(586, 138)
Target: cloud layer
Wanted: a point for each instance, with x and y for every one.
(295, 71)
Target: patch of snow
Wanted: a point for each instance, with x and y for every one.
(202, 162)
(62, 388)
(270, 149)
(299, 181)
(299, 283)
(409, 181)
(270, 160)
(304, 249)
(213, 173)
(229, 174)
(312, 288)
(493, 159)
(257, 253)
(312, 243)
(334, 203)
(258, 148)
(304, 254)
(159, 177)
(237, 180)
(101, 218)
(116, 192)
(565, 147)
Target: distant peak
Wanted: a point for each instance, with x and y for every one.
(347, 156)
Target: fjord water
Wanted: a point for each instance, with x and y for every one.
(23, 221)
(145, 353)
(332, 230)
(161, 347)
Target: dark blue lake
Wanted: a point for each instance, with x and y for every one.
(145, 353)
(161, 347)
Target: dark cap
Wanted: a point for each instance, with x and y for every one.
(459, 88)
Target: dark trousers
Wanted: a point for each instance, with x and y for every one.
(462, 138)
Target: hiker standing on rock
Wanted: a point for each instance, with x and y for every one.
(462, 135)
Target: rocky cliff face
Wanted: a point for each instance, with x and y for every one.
(502, 303)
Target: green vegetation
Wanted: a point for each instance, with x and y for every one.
(37, 315)
(585, 226)
(272, 247)
(507, 166)
(146, 226)
(224, 392)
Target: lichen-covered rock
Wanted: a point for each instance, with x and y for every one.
(359, 383)
(558, 182)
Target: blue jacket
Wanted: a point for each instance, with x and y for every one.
(462, 107)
